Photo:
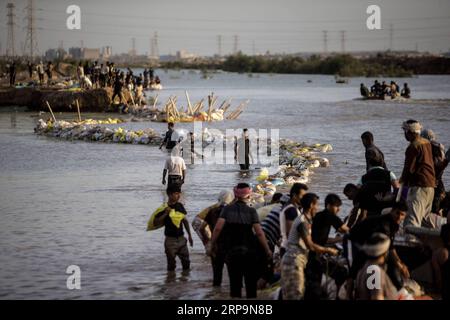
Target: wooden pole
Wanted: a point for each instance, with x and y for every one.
(51, 111)
(154, 101)
(189, 103)
(78, 109)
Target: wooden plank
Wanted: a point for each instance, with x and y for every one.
(78, 109)
(51, 111)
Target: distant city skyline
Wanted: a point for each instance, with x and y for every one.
(251, 26)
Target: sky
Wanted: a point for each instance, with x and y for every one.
(281, 26)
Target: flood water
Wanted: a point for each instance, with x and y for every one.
(76, 203)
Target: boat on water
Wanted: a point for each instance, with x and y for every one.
(385, 97)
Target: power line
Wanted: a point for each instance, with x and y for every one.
(391, 37)
(343, 41)
(133, 47)
(235, 44)
(280, 32)
(219, 45)
(264, 21)
(10, 46)
(325, 41)
(31, 41)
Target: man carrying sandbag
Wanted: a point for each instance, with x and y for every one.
(173, 218)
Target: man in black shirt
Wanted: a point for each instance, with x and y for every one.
(322, 223)
(173, 218)
(168, 142)
(242, 151)
(376, 188)
(241, 230)
(372, 150)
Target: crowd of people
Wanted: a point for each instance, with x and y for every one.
(40, 69)
(93, 75)
(382, 90)
(293, 245)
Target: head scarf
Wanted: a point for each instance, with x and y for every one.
(414, 127)
(377, 245)
(242, 193)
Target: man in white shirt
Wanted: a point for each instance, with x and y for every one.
(175, 168)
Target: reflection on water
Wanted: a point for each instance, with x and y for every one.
(64, 203)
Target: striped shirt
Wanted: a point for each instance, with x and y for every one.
(271, 226)
(300, 229)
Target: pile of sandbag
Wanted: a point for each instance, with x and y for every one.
(296, 162)
(89, 130)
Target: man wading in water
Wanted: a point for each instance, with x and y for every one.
(241, 230)
(242, 151)
(173, 218)
(418, 174)
(168, 142)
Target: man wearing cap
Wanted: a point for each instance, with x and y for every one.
(418, 174)
(241, 230)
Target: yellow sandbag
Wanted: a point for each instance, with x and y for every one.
(202, 214)
(263, 175)
(151, 222)
(176, 217)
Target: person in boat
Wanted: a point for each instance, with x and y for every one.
(418, 174)
(239, 226)
(157, 80)
(440, 164)
(385, 90)
(376, 248)
(406, 91)
(441, 263)
(209, 220)
(174, 168)
(393, 90)
(371, 150)
(364, 91)
(300, 243)
(375, 89)
(378, 189)
(320, 234)
(174, 219)
(290, 212)
(387, 224)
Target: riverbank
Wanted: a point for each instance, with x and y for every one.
(61, 100)
(344, 65)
